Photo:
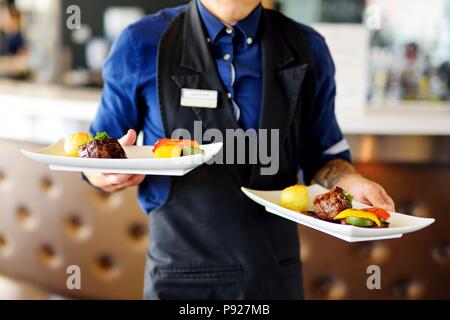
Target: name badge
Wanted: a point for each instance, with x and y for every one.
(199, 98)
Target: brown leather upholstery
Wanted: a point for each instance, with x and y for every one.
(49, 220)
(416, 266)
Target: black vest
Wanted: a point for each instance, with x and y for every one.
(208, 241)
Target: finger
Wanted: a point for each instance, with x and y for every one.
(389, 201)
(377, 199)
(129, 138)
(134, 181)
(110, 189)
(117, 179)
(363, 200)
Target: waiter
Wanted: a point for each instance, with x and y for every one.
(207, 240)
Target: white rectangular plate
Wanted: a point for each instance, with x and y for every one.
(399, 223)
(140, 161)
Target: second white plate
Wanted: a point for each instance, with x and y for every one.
(399, 223)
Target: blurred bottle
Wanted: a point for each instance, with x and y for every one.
(380, 64)
(96, 52)
(410, 75)
(423, 88)
(379, 82)
(394, 90)
(444, 76)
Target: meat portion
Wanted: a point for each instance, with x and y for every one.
(108, 148)
(328, 205)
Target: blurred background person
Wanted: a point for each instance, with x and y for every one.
(10, 26)
(13, 48)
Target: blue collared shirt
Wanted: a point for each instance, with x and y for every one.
(237, 53)
(130, 99)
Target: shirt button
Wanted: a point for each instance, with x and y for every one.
(249, 41)
(229, 95)
(226, 57)
(229, 30)
(208, 40)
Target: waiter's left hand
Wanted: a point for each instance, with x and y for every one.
(112, 182)
(366, 191)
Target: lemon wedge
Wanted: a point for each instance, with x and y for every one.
(295, 198)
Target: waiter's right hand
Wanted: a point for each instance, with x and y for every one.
(112, 182)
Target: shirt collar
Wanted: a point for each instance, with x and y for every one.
(248, 26)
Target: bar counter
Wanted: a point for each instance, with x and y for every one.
(26, 109)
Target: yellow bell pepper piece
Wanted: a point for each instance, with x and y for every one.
(358, 214)
(169, 151)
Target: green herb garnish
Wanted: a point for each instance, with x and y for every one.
(101, 136)
(348, 196)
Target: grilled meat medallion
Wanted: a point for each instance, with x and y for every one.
(108, 148)
(329, 204)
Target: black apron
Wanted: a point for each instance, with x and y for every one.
(208, 240)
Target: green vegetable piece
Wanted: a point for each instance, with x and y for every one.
(359, 222)
(190, 151)
(348, 196)
(101, 136)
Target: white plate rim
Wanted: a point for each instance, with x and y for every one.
(343, 230)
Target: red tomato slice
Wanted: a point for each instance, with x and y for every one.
(380, 213)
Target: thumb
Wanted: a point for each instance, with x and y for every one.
(129, 139)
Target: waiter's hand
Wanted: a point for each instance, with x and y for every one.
(340, 172)
(111, 182)
(366, 191)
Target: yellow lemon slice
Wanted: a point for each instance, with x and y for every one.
(295, 198)
(73, 141)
